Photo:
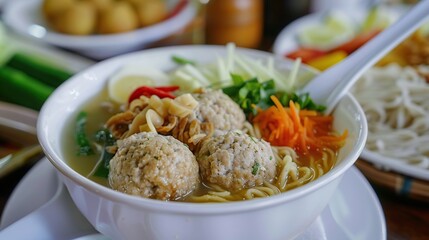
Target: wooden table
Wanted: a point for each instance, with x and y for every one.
(405, 218)
(406, 215)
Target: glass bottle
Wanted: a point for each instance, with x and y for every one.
(238, 21)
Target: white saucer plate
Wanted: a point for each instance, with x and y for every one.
(353, 213)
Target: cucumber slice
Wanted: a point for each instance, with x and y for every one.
(377, 18)
(19, 88)
(334, 29)
(38, 69)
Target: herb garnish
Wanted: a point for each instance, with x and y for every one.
(251, 93)
(255, 168)
(182, 61)
(304, 101)
(105, 139)
(83, 144)
(248, 93)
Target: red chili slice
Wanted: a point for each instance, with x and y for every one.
(149, 91)
(306, 54)
(168, 88)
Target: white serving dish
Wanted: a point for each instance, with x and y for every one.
(25, 17)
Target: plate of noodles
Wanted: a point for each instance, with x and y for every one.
(396, 102)
(395, 97)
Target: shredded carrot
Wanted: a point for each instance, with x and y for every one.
(303, 130)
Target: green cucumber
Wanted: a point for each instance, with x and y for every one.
(18, 88)
(38, 69)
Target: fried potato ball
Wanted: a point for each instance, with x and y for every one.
(151, 11)
(84, 17)
(51, 8)
(78, 19)
(118, 17)
(101, 4)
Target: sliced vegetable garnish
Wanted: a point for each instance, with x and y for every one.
(181, 60)
(83, 144)
(218, 75)
(324, 62)
(167, 88)
(333, 29)
(255, 168)
(105, 139)
(306, 54)
(161, 92)
(303, 130)
(39, 69)
(130, 77)
(356, 42)
(304, 101)
(19, 88)
(377, 18)
(250, 93)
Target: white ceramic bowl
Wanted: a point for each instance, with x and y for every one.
(122, 216)
(25, 17)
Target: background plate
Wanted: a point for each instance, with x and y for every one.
(287, 42)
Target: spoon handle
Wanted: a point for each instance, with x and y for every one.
(330, 86)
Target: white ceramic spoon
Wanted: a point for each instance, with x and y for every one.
(331, 85)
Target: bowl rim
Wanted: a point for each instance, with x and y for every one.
(141, 35)
(186, 207)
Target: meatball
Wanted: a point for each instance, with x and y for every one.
(219, 109)
(153, 166)
(236, 161)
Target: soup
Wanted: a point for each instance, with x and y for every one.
(204, 145)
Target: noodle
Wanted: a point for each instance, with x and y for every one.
(396, 102)
(165, 116)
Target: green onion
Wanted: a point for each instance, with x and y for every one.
(251, 92)
(106, 139)
(181, 60)
(304, 101)
(83, 144)
(255, 168)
